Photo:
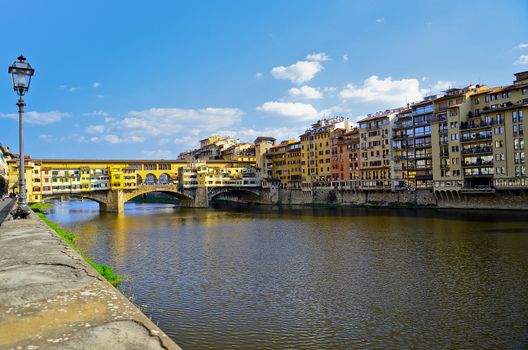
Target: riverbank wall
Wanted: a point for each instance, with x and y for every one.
(501, 200)
(51, 298)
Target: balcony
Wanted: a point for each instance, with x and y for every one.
(422, 145)
(439, 119)
(476, 138)
(477, 150)
(474, 126)
(477, 164)
(400, 137)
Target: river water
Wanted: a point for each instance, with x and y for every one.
(243, 277)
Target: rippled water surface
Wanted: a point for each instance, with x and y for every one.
(317, 278)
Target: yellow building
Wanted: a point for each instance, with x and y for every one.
(316, 149)
(286, 163)
(262, 159)
(73, 177)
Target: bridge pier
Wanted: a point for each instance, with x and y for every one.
(201, 199)
(115, 202)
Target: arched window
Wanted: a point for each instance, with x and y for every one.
(164, 179)
(150, 179)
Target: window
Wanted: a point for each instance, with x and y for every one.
(498, 144)
(525, 91)
(499, 156)
(499, 130)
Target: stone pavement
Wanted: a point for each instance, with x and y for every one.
(50, 298)
(5, 208)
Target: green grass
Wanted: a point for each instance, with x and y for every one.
(68, 237)
(40, 207)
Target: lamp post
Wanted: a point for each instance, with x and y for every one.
(21, 73)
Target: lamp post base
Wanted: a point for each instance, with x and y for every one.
(20, 212)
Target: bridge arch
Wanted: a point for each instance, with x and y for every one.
(167, 189)
(95, 198)
(239, 191)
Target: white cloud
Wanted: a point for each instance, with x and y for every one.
(38, 118)
(340, 109)
(115, 139)
(293, 110)
(99, 96)
(299, 72)
(320, 56)
(95, 129)
(259, 75)
(73, 89)
(47, 138)
(188, 141)
(394, 92)
(250, 134)
(442, 85)
(163, 141)
(345, 57)
(62, 87)
(96, 84)
(168, 121)
(523, 59)
(306, 92)
(380, 20)
(158, 154)
(522, 46)
(96, 114)
(109, 120)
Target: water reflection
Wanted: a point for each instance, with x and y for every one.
(260, 277)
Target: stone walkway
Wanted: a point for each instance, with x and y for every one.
(51, 299)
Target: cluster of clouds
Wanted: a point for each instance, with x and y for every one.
(302, 102)
(38, 118)
(523, 59)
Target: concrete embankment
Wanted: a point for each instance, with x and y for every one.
(50, 298)
(502, 200)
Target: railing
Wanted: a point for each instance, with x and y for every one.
(476, 150)
(511, 183)
(476, 138)
(477, 164)
(482, 124)
(439, 119)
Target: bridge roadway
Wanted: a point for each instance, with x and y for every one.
(51, 298)
(114, 200)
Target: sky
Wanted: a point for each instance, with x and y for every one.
(149, 79)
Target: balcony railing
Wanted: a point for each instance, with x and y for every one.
(476, 138)
(477, 164)
(477, 150)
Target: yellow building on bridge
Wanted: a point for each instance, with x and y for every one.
(50, 177)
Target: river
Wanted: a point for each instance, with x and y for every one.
(256, 277)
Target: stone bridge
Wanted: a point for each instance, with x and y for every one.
(114, 200)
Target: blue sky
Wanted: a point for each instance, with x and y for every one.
(138, 79)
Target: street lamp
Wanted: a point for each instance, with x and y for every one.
(21, 73)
